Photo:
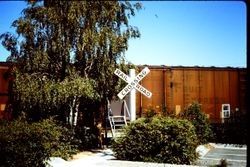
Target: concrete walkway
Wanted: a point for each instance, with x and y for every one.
(105, 158)
(235, 156)
(209, 156)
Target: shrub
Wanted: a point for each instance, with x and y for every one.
(150, 112)
(88, 137)
(233, 130)
(157, 139)
(200, 121)
(23, 144)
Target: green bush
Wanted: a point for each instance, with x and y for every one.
(150, 112)
(200, 121)
(88, 137)
(23, 144)
(157, 139)
(233, 130)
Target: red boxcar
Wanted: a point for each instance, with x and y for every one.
(174, 88)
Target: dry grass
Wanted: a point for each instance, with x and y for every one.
(84, 154)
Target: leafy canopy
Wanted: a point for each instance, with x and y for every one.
(68, 50)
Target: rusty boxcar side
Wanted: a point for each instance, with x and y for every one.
(174, 88)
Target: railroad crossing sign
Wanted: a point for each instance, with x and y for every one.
(133, 83)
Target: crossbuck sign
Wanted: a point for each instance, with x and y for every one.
(133, 83)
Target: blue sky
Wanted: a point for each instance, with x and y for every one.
(187, 33)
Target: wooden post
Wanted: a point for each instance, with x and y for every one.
(132, 98)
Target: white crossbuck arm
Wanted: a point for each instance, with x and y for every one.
(133, 83)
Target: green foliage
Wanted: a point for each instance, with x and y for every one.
(200, 121)
(150, 112)
(91, 36)
(157, 139)
(88, 137)
(23, 144)
(43, 97)
(233, 130)
(54, 38)
(223, 163)
(65, 53)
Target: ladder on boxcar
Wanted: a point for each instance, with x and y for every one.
(118, 121)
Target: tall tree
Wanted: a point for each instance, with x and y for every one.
(90, 36)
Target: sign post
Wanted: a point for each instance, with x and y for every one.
(132, 98)
(133, 83)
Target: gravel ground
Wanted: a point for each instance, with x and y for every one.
(105, 158)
